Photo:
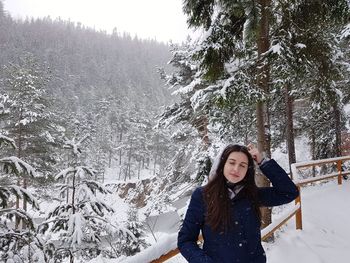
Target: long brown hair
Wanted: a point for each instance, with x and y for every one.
(216, 193)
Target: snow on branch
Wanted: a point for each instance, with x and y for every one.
(345, 32)
(75, 146)
(17, 166)
(93, 185)
(20, 193)
(79, 172)
(7, 140)
(75, 229)
(13, 213)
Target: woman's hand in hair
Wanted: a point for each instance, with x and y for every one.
(257, 156)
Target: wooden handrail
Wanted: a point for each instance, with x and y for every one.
(300, 183)
(297, 211)
(320, 178)
(166, 256)
(321, 161)
(172, 253)
(270, 229)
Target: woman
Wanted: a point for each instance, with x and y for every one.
(226, 210)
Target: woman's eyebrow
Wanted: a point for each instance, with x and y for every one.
(232, 159)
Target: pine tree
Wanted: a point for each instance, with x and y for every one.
(81, 220)
(188, 114)
(236, 38)
(131, 246)
(317, 27)
(2, 11)
(21, 245)
(29, 120)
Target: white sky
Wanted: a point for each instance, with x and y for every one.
(155, 19)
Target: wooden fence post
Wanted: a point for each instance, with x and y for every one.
(298, 215)
(340, 179)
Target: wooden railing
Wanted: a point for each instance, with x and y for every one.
(297, 209)
(296, 167)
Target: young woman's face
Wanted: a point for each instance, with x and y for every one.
(236, 167)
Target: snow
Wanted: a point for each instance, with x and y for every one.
(278, 221)
(19, 165)
(346, 32)
(325, 236)
(72, 144)
(347, 112)
(276, 49)
(302, 152)
(167, 243)
(7, 139)
(300, 45)
(75, 228)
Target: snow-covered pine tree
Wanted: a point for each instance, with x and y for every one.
(131, 246)
(189, 117)
(344, 41)
(17, 245)
(319, 25)
(30, 120)
(235, 37)
(82, 219)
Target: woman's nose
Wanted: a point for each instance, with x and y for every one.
(235, 167)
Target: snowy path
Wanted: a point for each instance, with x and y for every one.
(325, 237)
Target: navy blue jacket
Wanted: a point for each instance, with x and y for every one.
(242, 243)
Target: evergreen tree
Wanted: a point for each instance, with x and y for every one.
(187, 114)
(131, 246)
(317, 26)
(2, 11)
(21, 245)
(29, 119)
(81, 220)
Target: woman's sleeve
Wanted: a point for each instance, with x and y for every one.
(283, 189)
(188, 234)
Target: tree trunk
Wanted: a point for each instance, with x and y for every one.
(129, 161)
(19, 154)
(155, 161)
(201, 124)
(120, 151)
(313, 150)
(261, 109)
(73, 194)
(337, 128)
(139, 170)
(289, 127)
(109, 159)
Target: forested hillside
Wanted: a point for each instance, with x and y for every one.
(74, 103)
(107, 86)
